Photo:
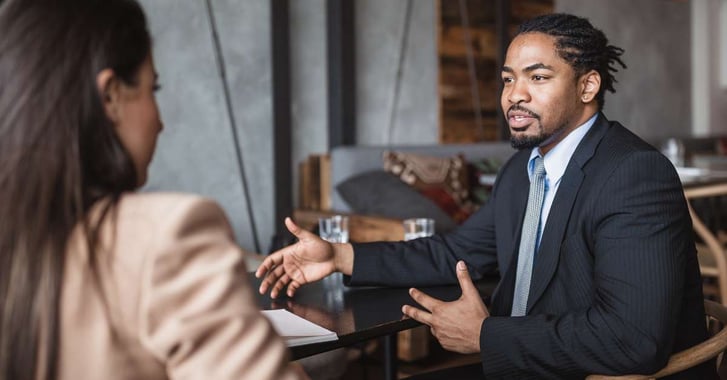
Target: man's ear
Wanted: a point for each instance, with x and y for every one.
(109, 88)
(589, 85)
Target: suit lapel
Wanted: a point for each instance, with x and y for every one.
(548, 255)
(518, 191)
(512, 204)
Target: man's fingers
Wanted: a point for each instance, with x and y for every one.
(293, 287)
(423, 299)
(273, 275)
(291, 226)
(296, 230)
(465, 281)
(279, 285)
(417, 314)
(269, 263)
(268, 281)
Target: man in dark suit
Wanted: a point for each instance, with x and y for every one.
(597, 260)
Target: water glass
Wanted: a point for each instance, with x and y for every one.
(418, 227)
(333, 229)
(673, 149)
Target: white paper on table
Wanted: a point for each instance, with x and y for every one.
(296, 330)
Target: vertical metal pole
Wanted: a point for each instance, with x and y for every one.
(341, 50)
(390, 357)
(282, 167)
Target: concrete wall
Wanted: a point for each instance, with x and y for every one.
(196, 152)
(379, 31)
(709, 66)
(718, 93)
(309, 79)
(653, 95)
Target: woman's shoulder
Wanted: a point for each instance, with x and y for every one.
(167, 213)
(163, 200)
(166, 205)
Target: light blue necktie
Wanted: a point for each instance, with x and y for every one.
(528, 239)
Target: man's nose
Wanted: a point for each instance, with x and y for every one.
(518, 93)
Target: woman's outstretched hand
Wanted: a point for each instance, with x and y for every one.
(308, 260)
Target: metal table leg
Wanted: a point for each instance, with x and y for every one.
(390, 357)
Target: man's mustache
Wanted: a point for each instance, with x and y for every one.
(517, 107)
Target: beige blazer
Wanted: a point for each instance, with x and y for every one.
(172, 299)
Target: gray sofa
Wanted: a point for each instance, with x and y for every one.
(348, 161)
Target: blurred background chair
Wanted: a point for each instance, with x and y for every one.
(710, 230)
(691, 357)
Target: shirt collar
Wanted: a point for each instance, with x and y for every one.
(557, 159)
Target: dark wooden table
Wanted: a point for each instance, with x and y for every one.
(358, 314)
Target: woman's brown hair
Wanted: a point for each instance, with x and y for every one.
(59, 154)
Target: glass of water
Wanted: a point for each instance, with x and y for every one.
(333, 229)
(673, 149)
(418, 227)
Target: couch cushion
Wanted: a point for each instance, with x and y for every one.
(348, 161)
(482, 173)
(379, 193)
(444, 180)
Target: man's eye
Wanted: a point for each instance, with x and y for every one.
(538, 77)
(507, 80)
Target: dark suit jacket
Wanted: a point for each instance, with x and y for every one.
(615, 287)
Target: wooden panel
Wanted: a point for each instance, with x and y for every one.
(458, 112)
(324, 174)
(480, 12)
(456, 78)
(523, 10)
(304, 195)
(315, 182)
(310, 183)
(466, 130)
(452, 44)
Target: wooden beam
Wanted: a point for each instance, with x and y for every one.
(502, 21)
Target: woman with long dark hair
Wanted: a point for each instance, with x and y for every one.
(96, 281)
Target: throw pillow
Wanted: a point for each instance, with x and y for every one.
(442, 179)
(380, 193)
(482, 175)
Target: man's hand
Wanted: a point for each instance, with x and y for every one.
(456, 324)
(308, 260)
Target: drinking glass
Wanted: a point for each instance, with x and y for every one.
(333, 229)
(418, 227)
(673, 149)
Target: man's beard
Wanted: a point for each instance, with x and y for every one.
(529, 142)
(526, 142)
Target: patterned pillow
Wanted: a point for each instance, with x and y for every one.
(482, 174)
(444, 180)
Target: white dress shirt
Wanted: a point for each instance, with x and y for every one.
(555, 163)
